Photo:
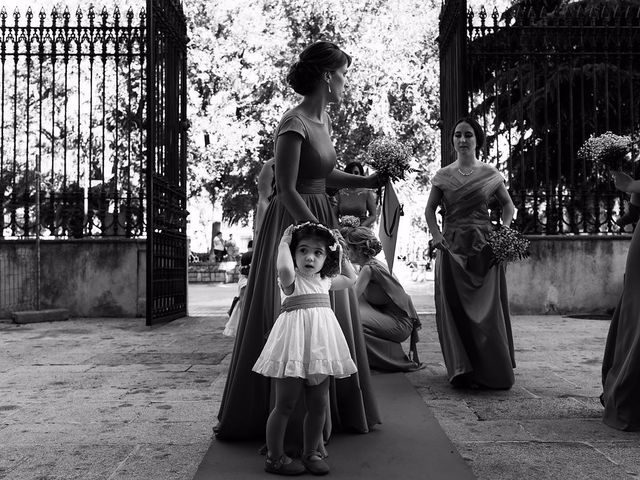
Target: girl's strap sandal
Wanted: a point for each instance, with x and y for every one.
(314, 463)
(280, 466)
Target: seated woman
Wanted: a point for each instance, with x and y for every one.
(357, 202)
(386, 310)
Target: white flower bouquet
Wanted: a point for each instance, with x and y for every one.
(607, 149)
(508, 245)
(349, 221)
(389, 158)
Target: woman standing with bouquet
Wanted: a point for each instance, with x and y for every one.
(621, 363)
(472, 309)
(305, 164)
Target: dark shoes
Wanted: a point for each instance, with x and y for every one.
(632, 216)
(314, 463)
(283, 466)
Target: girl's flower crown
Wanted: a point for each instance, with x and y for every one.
(333, 247)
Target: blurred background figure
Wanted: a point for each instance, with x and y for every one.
(218, 247)
(357, 202)
(236, 306)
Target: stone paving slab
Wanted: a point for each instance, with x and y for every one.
(73, 462)
(625, 453)
(548, 408)
(188, 358)
(541, 461)
(574, 430)
(177, 462)
(117, 411)
(548, 426)
(140, 402)
(105, 432)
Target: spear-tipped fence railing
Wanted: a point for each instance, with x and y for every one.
(72, 93)
(541, 83)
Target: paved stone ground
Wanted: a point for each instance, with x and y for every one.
(114, 399)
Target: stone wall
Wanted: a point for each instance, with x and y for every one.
(212, 272)
(107, 277)
(89, 277)
(569, 275)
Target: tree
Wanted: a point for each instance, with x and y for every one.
(552, 81)
(239, 55)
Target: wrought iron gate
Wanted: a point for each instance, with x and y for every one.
(453, 89)
(541, 82)
(166, 161)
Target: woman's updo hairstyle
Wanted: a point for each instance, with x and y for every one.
(363, 240)
(313, 62)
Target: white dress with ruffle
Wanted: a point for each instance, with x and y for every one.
(306, 341)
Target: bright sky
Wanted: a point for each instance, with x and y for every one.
(10, 5)
(36, 5)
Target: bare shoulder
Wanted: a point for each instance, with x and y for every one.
(493, 169)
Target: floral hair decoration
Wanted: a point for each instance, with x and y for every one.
(333, 247)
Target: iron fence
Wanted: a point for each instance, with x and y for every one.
(72, 123)
(541, 83)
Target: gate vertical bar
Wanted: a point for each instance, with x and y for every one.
(166, 162)
(453, 89)
(151, 152)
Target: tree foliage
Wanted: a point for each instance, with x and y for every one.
(239, 55)
(558, 72)
(561, 85)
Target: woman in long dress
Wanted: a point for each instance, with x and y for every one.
(472, 308)
(621, 363)
(305, 163)
(386, 309)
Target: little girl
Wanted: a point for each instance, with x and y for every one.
(306, 344)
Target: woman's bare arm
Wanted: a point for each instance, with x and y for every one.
(284, 262)
(339, 179)
(346, 278)
(508, 208)
(364, 277)
(435, 197)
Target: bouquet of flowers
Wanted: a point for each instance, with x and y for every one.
(607, 149)
(508, 245)
(349, 221)
(389, 158)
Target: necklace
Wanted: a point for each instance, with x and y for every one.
(465, 174)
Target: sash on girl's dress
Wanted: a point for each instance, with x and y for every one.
(308, 300)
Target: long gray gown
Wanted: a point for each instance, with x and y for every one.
(621, 363)
(472, 308)
(246, 402)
